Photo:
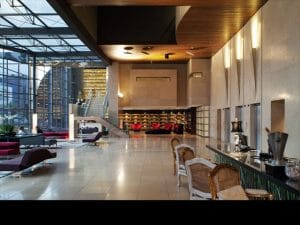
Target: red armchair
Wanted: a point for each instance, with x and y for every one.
(136, 126)
(155, 126)
(168, 126)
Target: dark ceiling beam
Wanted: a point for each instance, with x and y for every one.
(63, 54)
(64, 10)
(16, 49)
(33, 31)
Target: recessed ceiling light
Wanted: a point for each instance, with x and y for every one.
(147, 48)
(128, 48)
(189, 53)
(168, 54)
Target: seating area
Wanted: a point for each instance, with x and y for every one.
(9, 148)
(166, 128)
(56, 134)
(30, 158)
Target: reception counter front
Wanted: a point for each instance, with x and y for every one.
(253, 171)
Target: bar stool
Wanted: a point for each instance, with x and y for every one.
(224, 176)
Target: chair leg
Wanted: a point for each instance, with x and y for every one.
(178, 179)
(174, 168)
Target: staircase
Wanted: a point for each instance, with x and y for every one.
(95, 106)
(96, 109)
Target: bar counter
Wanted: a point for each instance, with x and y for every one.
(253, 171)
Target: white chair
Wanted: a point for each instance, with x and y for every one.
(197, 173)
(179, 151)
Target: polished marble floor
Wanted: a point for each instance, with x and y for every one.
(138, 168)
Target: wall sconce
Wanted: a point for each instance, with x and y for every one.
(196, 75)
(239, 57)
(226, 67)
(34, 123)
(255, 41)
(71, 127)
(120, 94)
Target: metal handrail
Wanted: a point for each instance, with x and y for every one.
(105, 105)
(88, 102)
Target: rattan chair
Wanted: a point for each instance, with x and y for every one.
(197, 173)
(188, 152)
(174, 142)
(224, 177)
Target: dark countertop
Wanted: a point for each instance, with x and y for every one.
(251, 162)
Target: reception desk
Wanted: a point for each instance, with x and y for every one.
(253, 171)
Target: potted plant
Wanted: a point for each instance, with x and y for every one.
(7, 130)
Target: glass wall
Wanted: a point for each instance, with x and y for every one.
(15, 89)
(53, 98)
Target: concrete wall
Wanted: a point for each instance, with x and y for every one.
(153, 88)
(126, 86)
(198, 90)
(269, 72)
(112, 86)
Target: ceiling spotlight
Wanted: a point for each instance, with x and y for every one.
(146, 53)
(127, 52)
(189, 53)
(193, 48)
(168, 54)
(147, 48)
(128, 48)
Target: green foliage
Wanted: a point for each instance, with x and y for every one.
(6, 128)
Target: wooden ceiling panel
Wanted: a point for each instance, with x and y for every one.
(214, 23)
(148, 2)
(207, 25)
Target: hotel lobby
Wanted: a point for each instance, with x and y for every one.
(146, 100)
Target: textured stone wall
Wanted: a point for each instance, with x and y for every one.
(268, 72)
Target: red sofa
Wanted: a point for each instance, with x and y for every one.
(9, 148)
(56, 134)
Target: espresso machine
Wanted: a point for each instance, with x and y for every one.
(276, 142)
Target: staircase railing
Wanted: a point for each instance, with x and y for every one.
(88, 102)
(105, 106)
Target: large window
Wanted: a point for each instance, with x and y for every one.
(15, 90)
(53, 97)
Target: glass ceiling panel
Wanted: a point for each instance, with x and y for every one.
(44, 36)
(50, 41)
(66, 36)
(39, 6)
(39, 49)
(23, 42)
(43, 16)
(24, 21)
(62, 49)
(74, 41)
(2, 41)
(3, 23)
(53, 21)
(82, 49)
(8, 7)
